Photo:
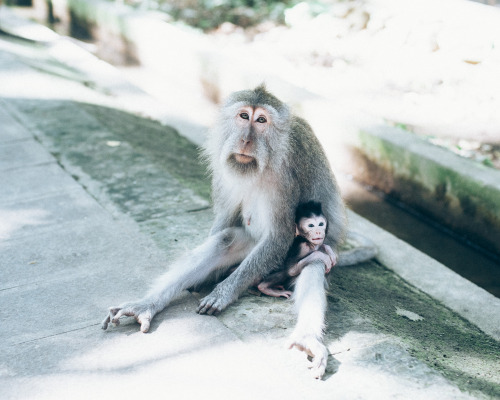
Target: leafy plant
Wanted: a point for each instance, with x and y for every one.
(210, 14)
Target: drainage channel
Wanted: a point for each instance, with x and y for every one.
(466, 259)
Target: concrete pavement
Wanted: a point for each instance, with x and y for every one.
(96, 200)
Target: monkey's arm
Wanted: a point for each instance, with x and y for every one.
(224, 219)
(310, 305)
(221, 250)
(328, 250)
(267, 255)
(317, 255)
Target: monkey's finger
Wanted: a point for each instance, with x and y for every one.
(121, 312)
(106, 322)
(302, 347)
(205, 306)
(293, 344)
(318, 367)
(318, 372)
(215, 309)
(145, 323)
(113, 311)
(212, 311)
(202, 308)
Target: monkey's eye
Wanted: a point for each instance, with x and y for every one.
(244, 116)
(262, 120)
(321, 224)
(311, 225)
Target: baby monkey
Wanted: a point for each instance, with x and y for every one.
(311, 228)
(307, 262)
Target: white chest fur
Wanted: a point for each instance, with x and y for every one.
(253, 201)
(255, 211)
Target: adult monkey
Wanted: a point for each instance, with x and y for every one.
(264, 162)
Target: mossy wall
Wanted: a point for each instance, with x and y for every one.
(457, 192)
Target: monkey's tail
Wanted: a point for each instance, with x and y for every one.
(364, 250)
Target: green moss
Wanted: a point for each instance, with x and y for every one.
(152, 173)
(160, 144)
(452, 196)
(443, 340)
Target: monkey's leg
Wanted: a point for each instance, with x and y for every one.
(274, 290)
(310, 305)
(266, 254)
(272, 285)
(221, 250)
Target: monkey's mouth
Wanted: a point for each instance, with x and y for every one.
(242, 163)
(243, 158)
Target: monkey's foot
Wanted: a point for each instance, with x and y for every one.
(279, 291)
(142, 312)
(314, 349)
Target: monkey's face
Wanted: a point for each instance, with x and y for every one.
(252, 134)
(312, 229)
(248, 145)
(253, 137)
(253, 123)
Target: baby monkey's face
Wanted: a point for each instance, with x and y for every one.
(312, 229)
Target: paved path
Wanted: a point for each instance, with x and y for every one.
(94, 203)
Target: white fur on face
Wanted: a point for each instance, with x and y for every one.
(313, 229)
(268, 139)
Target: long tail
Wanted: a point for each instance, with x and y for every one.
(365, 250)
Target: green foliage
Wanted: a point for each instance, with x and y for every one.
(210, 14)
(488, 162)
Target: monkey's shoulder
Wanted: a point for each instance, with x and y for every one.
(304, 141)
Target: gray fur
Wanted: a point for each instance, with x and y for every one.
(254, 206)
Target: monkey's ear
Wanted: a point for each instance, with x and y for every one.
(297, 233)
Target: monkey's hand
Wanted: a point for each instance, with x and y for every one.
(143, 313)
(296, 269)
(314, 349)
(333, 258)
(216, 301)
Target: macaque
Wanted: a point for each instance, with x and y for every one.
(311, 227)
(307, 263)
(264, 162)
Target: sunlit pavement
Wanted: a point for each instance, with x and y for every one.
(95, 201)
